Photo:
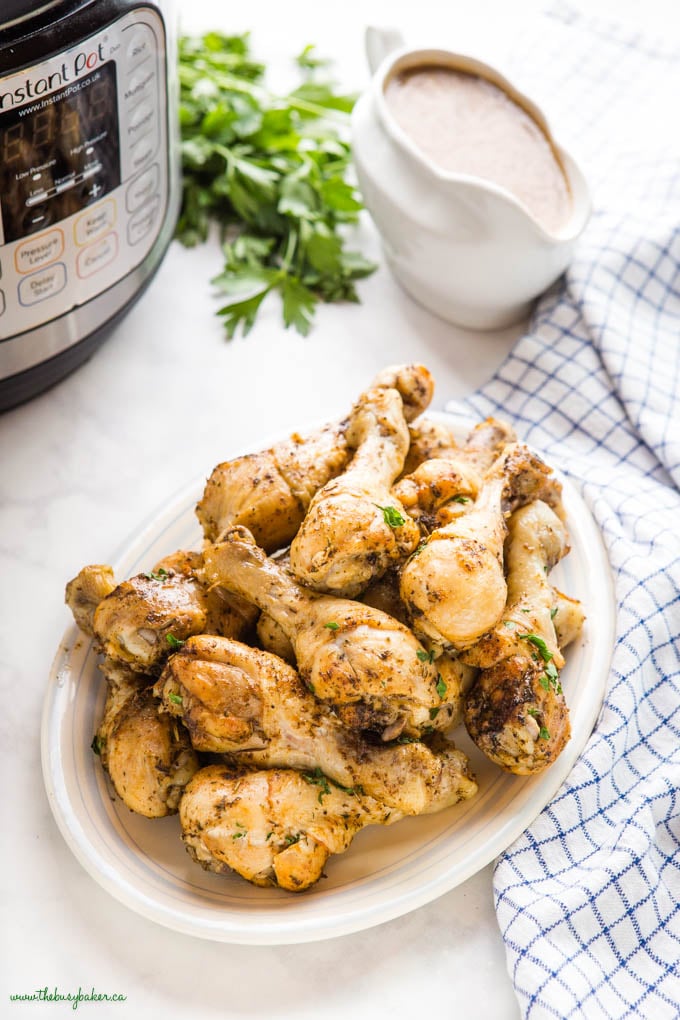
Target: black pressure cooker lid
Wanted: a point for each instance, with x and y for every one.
(15, 11)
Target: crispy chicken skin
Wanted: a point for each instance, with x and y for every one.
(516, 712)
(272, 827)
(147, 754)
(355, 527)
(367, 665)
(240, 701)
(455, 587)
(133, 620)
(269, 492)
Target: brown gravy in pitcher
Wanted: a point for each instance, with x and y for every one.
(466, 124)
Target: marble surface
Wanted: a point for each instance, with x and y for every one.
(82, 466)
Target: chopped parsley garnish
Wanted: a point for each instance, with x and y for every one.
(97, 744)
(392, 516)
(459, 499)
(407, 740)
(425, 656)
(157, 575)
(293, 839)
(441, 686)
(550, 677)
(175, 699)
(332, 625)
(553, 612)
(539, 643)
(417, 551)
(310, 687)
(317, 778)
(543, 733)
(243, 831)
(174, 642)
(434, 712)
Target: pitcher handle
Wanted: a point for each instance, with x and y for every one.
(379, 43)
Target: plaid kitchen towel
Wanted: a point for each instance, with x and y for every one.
(588, 899)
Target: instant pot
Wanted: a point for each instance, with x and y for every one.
(89, 175)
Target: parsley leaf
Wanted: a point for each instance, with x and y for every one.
(332, 625)
(425, 656)
(174, 642)
(441, 686)
(274, 173)
(157, 575)
(392, 516)
(97, 744)
(176, 699)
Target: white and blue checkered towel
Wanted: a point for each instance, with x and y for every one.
(588, 899)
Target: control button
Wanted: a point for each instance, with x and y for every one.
(43, 284)
(142, 222)
(2, 302)
(140, 84)
(140, 45)
(37, 219)
(39, 251)
(98, 255)
(143, 151)
(142, 188)
(95, 221)
(141, 120)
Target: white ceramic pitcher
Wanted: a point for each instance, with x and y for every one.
(462, 246)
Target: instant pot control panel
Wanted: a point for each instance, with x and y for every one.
(83, 170)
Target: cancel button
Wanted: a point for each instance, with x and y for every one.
(98, 255)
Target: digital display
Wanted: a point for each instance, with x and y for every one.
(59, 154)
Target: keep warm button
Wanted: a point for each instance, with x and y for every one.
(42, 285)
(96, 256)
(141, 223)
(95, 221)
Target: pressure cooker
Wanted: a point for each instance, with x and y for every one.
(89, 175)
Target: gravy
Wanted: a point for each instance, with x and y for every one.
(466, 124)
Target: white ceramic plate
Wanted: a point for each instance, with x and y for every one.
(386, 872)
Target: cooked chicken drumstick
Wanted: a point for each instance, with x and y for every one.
(269, 492)
(355, 528)
(455, 587)
(86, 591)
(274, 827)
(433, 491)
(139, 621)
(237, 700)
(366, 664)
(147, 754)
(516, 712)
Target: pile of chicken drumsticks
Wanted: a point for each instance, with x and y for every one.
(361, 590)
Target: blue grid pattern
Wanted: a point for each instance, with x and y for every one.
(588, 899)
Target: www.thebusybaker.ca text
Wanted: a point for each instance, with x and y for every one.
(45, 995)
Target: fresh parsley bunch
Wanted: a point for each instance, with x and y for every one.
(272, 171)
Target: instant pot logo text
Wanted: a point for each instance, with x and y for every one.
(32, 88)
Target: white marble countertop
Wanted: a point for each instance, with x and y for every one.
(88, 461)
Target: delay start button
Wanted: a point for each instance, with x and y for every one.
(43, 284)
